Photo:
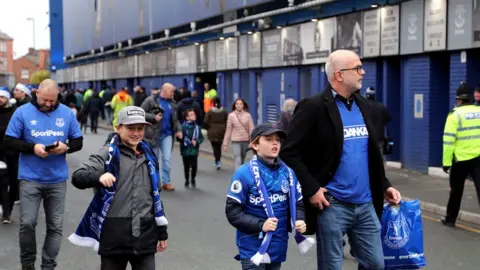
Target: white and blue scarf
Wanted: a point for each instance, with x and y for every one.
(89, 230)
(303, 243)
(187, 141)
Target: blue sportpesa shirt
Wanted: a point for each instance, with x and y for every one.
(244, 191)
(34, 126)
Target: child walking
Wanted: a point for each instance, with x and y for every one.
(263, 225)
(189, 145)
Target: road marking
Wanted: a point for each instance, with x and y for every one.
(465, 227)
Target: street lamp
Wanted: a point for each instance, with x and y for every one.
(33, 22)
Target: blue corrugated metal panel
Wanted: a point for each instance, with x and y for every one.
(392, 100)
(415, 131)
(438, 102)
(56, 34)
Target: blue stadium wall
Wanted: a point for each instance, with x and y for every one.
(397, 79)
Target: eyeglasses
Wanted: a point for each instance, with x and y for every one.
(359, 69)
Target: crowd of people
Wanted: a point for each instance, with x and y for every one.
(300, 179)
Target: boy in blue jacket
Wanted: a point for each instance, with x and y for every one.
(263, 225)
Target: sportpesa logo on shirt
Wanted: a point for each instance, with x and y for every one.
(256, 200)
(355, 132)
(46, 133)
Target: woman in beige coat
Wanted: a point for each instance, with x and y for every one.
(239, 127)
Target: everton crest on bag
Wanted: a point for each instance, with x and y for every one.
(402, 236)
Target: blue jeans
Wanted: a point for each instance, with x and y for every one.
(249, 265)
(360, 223)
(165, 145)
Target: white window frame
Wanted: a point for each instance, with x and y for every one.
(23, 74)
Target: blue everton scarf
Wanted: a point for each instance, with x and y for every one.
(187, 141)
(304, 244)
(90, 228)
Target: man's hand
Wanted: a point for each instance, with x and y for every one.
(107, 179)
(39, 150)
(300, 226)
(158, 117)
(162, 246)
(446, 169)
(270, 225)
(225, 148)
(318, 200)
(180, 135)
(60, 149)
(194, 143)
(393, 196)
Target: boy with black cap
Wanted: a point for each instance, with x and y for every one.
(263, 225)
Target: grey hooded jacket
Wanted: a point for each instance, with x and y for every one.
(152, 133)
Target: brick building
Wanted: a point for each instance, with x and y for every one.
(6, 60)
(33, 61)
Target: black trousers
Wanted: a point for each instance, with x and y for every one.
(217, 150)
(458, 174)
(119, 262)
(8, 187)
(190, 162)
(94, 121)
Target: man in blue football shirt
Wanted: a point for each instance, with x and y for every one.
(43, 131)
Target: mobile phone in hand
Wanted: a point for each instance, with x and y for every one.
(50, 147)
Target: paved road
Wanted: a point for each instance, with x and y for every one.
(200, 237)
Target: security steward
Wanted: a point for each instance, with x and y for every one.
(461, 149)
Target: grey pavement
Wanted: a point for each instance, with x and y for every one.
(432, 191)
(199, 234)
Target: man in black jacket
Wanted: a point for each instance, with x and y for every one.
(331, 146)
(8, 177)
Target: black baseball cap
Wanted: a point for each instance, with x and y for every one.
(267, 129)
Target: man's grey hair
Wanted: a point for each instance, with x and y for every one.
(330, 68)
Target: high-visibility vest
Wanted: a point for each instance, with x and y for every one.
(461, 136)
(208, 100)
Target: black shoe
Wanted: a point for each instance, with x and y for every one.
(28, 267)
(448, 223)
(187, 183)
(193, 183)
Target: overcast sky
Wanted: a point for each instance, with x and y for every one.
(13, 21)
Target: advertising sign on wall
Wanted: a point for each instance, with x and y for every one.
(411, 27)
(476, 23)
(255, 50)
(371, 33)
(435, 36)
(243, 52)
(317, 40)
(390, 30)
(220, 55)
(186, 60)
(171, 61)
(212, 56)
(272, 48)
(202, 58)
(231, 51)
(291, 48)
(349, 32)
(460, 24)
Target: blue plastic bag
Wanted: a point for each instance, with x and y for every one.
(402, 236)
